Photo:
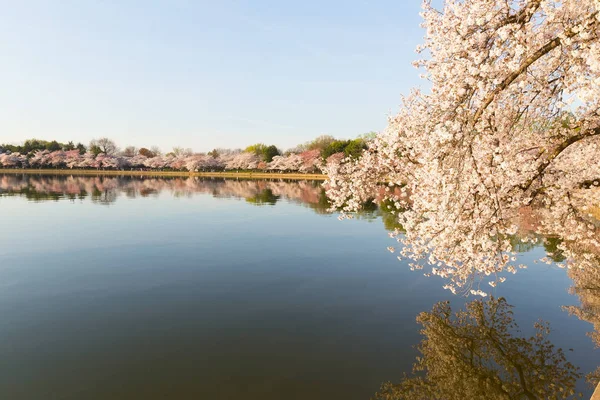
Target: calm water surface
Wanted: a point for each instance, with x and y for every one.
(127, 288)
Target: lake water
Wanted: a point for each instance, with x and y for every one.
(127, 288)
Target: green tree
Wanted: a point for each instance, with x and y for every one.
(31, 145)
(95, 149)
(266, 153)
(257, 148)
(337, 146)
(269, 153)
(320, 142)
(81, 147)
(53, 146)
(355, 148)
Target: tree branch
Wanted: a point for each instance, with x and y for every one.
(548, 47)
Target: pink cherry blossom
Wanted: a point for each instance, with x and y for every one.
(512, 120)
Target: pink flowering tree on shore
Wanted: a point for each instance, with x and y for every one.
(105, 156)
(512, 119)
(311, 161)
(72, 159)
(14, 160)
(243, 160)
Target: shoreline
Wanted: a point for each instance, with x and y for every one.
(243, 175)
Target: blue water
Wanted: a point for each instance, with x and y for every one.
(127, 288)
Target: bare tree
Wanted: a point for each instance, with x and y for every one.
(129, 151)
(103, 146)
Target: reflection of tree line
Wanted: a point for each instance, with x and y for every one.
(107, 189)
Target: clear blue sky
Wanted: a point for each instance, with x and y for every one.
(203, 74)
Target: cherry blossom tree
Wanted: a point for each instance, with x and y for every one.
(279, 163)
(178, 162)
(39, 159)
(87, 161)
(137, 161)
(114, 162)
(291, 163)
(333, 161)
(193, 163)
(212, 163)
(243, 160)
(13, 160)
(311, 161)
(157, 162)
(512, 119)
(57, 159)
(294, 162)
(72, 158)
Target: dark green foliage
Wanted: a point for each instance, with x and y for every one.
(355, 148)
(33, 145)
(350, 148)
(337, 146)
(266, 153)
(30, 146)
(95, 149)
(54, 146)
(269, 153)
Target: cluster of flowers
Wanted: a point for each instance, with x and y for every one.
(305, 162)
(512, 120)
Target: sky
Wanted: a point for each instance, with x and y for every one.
(203, 74)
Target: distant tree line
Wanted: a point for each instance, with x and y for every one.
(103, 153)
(32, 145)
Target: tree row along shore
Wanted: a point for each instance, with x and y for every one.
(103, 154)
(221, 174)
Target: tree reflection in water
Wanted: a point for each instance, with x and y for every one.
(476, 354)
(266, 196)
(586, 285)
